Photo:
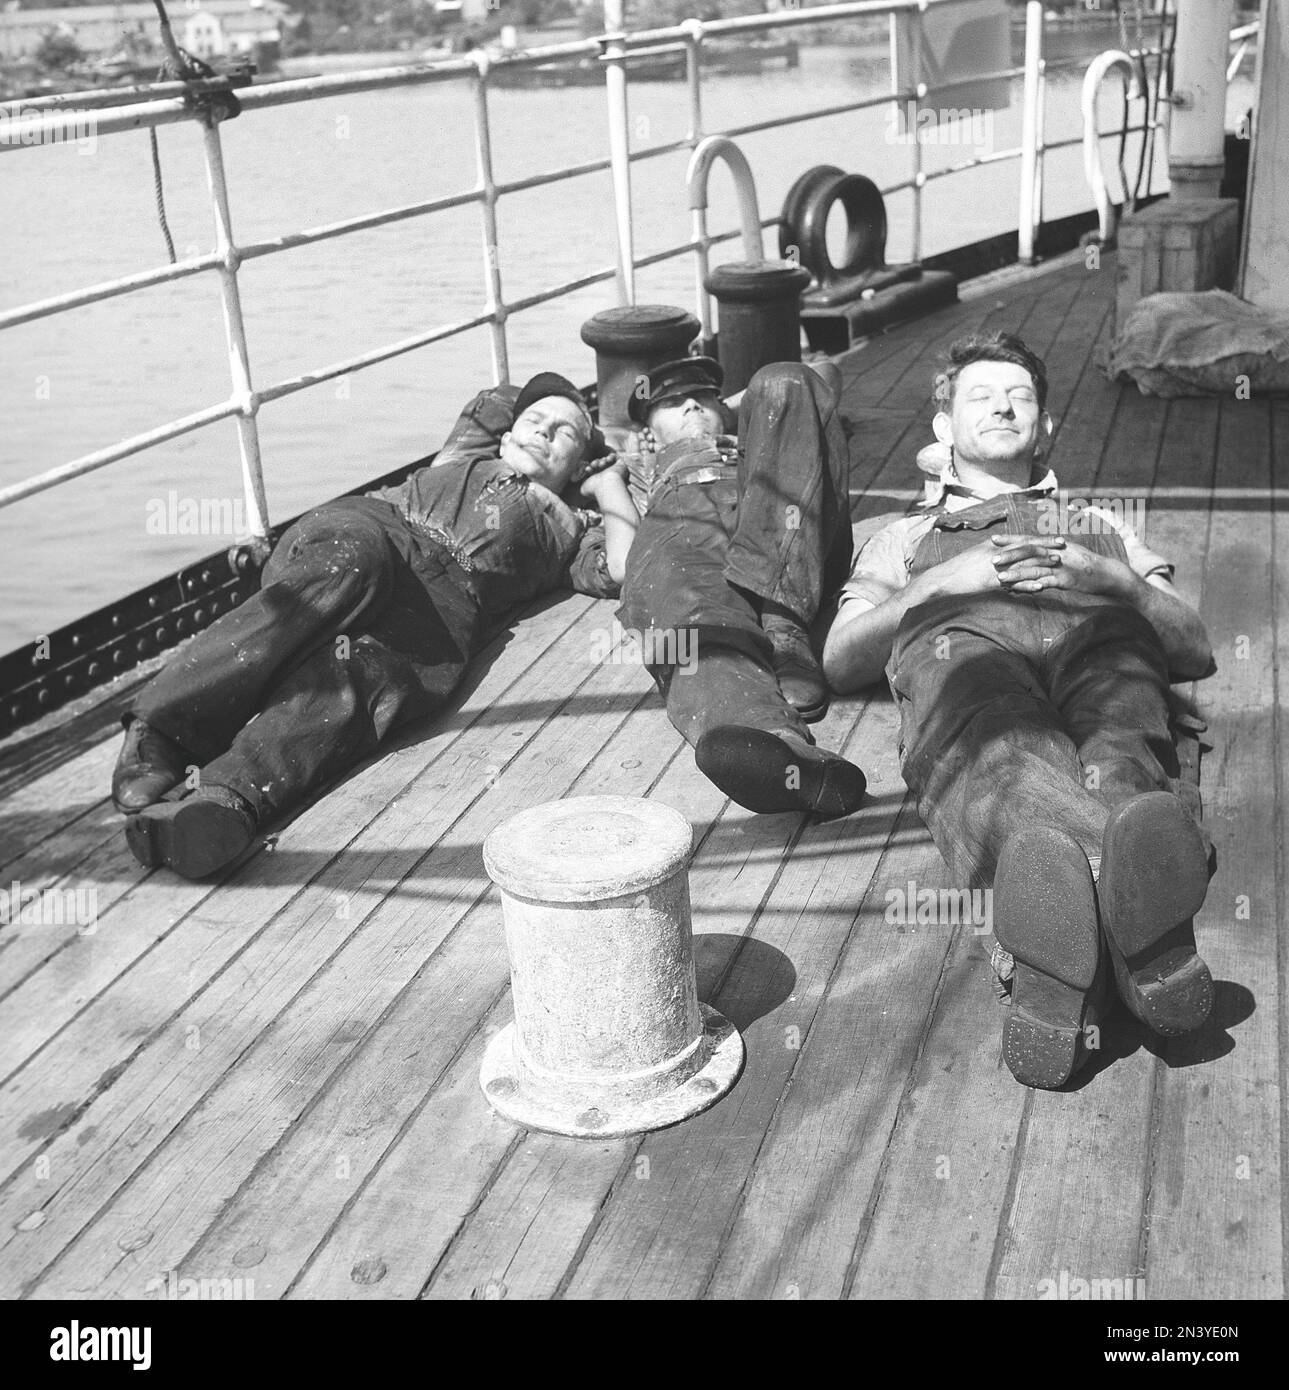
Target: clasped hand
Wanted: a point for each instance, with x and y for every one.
(1028, 565)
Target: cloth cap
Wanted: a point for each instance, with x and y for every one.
(551, 384)
(675, 378)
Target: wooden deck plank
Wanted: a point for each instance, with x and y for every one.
(1215, 1203)
(1083, 422)
(71, 859)
(800, 1214)
(55, 799)
(294, 1030)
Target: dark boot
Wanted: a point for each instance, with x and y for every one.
(196, 836)
(795, 665)
(1045, 916)
(150, 765)
(1154, 876)
(768, 772)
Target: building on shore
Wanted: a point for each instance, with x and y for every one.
(206, 28)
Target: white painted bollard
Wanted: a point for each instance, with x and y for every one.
(609, 1037)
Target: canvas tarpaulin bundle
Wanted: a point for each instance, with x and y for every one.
(1205, 343)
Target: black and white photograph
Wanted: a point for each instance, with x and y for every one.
(641, 660)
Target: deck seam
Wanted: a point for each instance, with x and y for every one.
(879, 1178)
(1008, 1205)
(736, 1206)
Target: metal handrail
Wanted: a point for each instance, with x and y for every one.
(170, 103)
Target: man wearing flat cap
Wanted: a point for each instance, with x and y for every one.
(742, 538)
(369, 610)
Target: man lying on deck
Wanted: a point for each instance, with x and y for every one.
(369, 610)
(741, 540)
(1031, 671)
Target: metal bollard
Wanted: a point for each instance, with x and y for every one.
(759, 318)
(629, 342)
(609, 1037)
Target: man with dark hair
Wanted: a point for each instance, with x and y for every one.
(742, 538)
(1031, 670)
(368, 612)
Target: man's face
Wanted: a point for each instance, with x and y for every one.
(994, 417)
(691, 414)
(547, 442)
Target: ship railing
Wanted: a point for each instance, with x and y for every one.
(53, 118)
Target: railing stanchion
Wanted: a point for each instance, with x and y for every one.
(694, 77)
(496, 304)
(919, 91)
(248, 438)
(1030, 133)
(615, 86)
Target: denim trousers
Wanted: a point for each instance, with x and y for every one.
(1022, 710)
(775, 527)
(361, 624)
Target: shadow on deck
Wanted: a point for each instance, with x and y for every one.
(273, 1078)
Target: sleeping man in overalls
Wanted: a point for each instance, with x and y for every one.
(369, 611)
(1031, 671)
(741, 539)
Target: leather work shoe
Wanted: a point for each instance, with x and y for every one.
(1045, 916)
(1154, 876)
(195, 836)
(150, 765)
(795, 665)
(768, 772)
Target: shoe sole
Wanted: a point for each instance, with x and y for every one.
(756, 768)
(1154, 879)
(192, 837)
(1045, 916)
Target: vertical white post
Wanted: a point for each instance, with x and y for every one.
(257, 508)
(615, 84)
(1196, 151)
(919, 91)
(491, 254)
(1030, 131)
(694, 78)
(1264, 274)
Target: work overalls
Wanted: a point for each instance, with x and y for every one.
(1019, 710)
(721, 534)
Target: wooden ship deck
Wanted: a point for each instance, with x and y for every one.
(272, 1077)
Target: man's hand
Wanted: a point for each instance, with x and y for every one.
(1004, 561)
(613, 476)
(1060, 566)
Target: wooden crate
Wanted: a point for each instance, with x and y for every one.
(1177, 245)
